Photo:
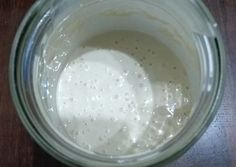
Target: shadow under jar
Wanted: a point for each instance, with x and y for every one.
(117, 83)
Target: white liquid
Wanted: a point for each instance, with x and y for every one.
(123, 93)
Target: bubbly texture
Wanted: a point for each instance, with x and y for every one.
(123, 93)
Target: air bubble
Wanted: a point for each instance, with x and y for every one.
(112, 119)
(92, 119)
(153, 112)
(126, 94)
(126, 73)
(86, 68)
(141, 85)
(134, 140)
(107, 70)
(121, 109)
(83, 132)
(120, 81)
(146, 102)
(169, 116)
(89, 147)
(69, 78)
(139, 75)
(51, 109)
(71, 99)
(104, 151)
(137, 118)
(100, 138)
(118, 148)
(186, 100)
(44, 85)
(147, 145)
(124, 129)
(111, 74)
(160, 132)
(76, 133)
(138, 64)
(108, 131)
(138, 145)
(145, 89)
(116, 97)
(170, 136)
(93, 98)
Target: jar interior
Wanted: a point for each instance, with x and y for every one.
(161, 25)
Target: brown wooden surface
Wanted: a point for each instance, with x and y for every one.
(217, 148)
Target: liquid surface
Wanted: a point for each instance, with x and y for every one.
(123, 93)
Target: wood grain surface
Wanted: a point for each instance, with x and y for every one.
(217, 147)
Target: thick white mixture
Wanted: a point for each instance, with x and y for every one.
(123, 93)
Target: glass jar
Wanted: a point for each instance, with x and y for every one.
(185, 26)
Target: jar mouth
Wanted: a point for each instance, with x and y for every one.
(24, 101)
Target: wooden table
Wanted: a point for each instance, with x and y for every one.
(217, 148)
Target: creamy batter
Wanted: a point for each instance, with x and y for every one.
(123, 92)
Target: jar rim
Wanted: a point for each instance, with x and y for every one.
(32, 129)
